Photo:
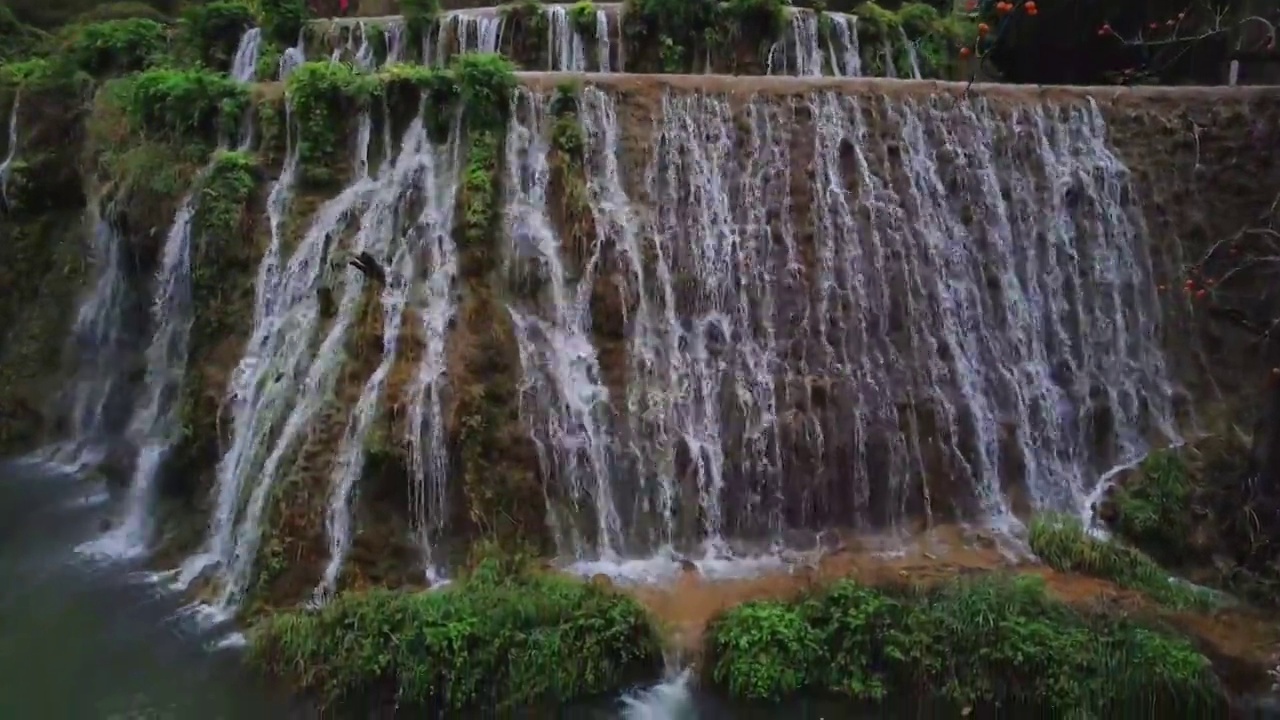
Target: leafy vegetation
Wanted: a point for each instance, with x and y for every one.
(326, 97)
(1193, 507)
(282, 20)
(985, 642)
(493, 639)
(680, 30)
(1063, 543)
(583, 17)
(116, 47)
(212, 31)
(185, 105)
(419, 17)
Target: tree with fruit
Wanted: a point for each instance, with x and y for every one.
(1095, 41)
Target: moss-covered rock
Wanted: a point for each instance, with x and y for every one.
(986, 642)
(487, 641)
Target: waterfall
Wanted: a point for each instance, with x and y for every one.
(100, 336)
(155, 424)
(272, 377)
(562, 386)
(567, 51)
(7, 163)
(925, 311)
(472, 31)
(395, 35)
(913, 58)
(292, 58)
(244, 68)
(844, 49)
(425, 436)
(604, 44)
(431, 172)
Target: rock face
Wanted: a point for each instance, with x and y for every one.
(619, 313)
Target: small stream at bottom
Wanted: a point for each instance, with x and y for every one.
(85, 641)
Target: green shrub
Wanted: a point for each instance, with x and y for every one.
(184, 105)
(583, 17)
(492, 640)
(282, 20)
(1062, 543)
(212, 31)
(1154, 511)
(419, 16)
(985, 642)
(326, 96)
(486, 81)
(223, 191)
(116, 47)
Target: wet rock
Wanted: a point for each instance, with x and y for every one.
(601, 580)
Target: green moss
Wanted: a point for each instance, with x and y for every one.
(988, 642)
(1063, 544)
(212, 31)
(116, 47)
(490, 640)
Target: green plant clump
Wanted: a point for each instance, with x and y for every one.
(325, 97)
(1156, 511)
(223, 192)
(486, 81)
(490, 640)
(212, 31)
(184, 105)
(1063, 544)
(583, 17)
(419, 17)
(681, 29)
(282, 20)
(985, 642)
(410, 89)
(116, 47)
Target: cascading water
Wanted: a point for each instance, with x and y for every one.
(425, 435)
(101, 338)
(562, 386)
(843, 47)
(418, 173)
(273, 384)
(7, 163)
(154, 427)
(782, 377)
(913, 58)
(244, 67)
(567, 50)
(469, 31)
